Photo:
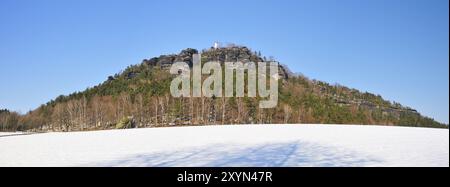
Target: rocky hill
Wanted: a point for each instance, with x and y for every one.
(139, 96)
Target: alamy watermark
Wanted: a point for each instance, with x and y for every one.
(261, 76)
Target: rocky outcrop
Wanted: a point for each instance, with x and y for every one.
(231, 54)
(225, 54)
(165, 61)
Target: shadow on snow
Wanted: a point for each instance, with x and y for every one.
(291, 154)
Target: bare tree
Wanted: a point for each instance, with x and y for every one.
(140, 109)
(224, 109)
(287, 113)
(61, 117)
(156, 110)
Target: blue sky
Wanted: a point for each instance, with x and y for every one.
(395, 48)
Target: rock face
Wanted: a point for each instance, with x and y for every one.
(231, 54)
(165, 61)
(225, 54)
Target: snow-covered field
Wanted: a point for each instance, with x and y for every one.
(246, 145)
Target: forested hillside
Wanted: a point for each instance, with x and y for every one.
(139, 96)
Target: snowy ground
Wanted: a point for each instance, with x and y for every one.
(248, 145)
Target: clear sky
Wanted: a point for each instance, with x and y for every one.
(396, 48)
